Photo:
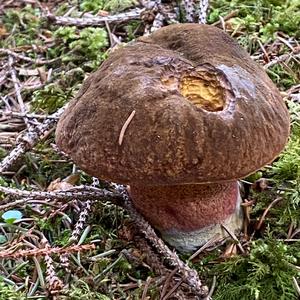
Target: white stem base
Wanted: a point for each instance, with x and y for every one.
(191, 241)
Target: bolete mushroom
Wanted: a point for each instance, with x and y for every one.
(179, 116)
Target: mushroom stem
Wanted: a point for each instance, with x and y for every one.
(189, 215)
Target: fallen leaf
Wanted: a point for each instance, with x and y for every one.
(230, 251)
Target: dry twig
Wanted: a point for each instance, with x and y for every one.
(203, 11)
(28, 140)
(16, 84)
(28, 59)
(54, 283)
(95, 21)
(45, 251)
(189, 10)
(280, 59)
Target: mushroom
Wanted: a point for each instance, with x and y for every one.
(179, 116)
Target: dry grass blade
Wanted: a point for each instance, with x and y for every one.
(296, 284)
(167, 283)
(261, 220)
(233, 236)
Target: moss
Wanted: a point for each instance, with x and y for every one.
(266, 273)
(25, 23)
(8, 292)
(260, 18)
(84, 48)
(110, 5)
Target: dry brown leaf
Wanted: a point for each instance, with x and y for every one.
(102, 13)
(58, 185)
(32, 82)
(3, 31)
(230, 251)
(65, 184)
(43, 74)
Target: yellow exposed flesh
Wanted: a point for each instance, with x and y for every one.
(203, 93)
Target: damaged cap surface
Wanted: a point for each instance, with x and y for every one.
(184, 105)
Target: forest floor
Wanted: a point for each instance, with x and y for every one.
(55, 246)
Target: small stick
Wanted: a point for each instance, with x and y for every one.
(189, 10)
(28, 59)
(79, 193)
(111, 40)
(95, 21)
(126, 124)
(28, 140)
(46, 251)
(26, 115)
(16, 84)
(175, 287)
(158, 22)
(233, 236)
(296, 285)
(212, 289)
(203, 7)
(263, 50)
(206, 245)
(280, 59)
(147, 284)
(167, 282)
(232, 14)
(286, 43)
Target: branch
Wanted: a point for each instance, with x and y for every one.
(203, 7)
(280, 59)
(189, 10)
(95, 21)
(14, 114)
(79, 193)
(28, 59)
(28, 140)
(45, 251)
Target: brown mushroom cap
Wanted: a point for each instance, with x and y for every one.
(203, 112)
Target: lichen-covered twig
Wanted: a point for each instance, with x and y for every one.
(79, 193)
(44, 251)
(192, 7)
(282, 58)
(28, 140)
(83, 217)
(16, 84)
(95, 21)
(28, 59)
(54, 283)
(156, 14)
(203, 7)
(82, 220)
(14, 114)
(189, 10)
